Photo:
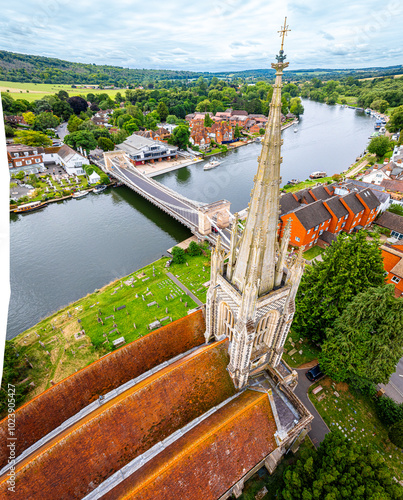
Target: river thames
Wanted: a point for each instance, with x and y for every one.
(71, 248)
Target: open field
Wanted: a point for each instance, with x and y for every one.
(355, 417)
(82, 332)
(34, 91)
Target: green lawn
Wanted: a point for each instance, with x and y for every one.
(355, 417)
(102, 317)
(308, 354)
(34, 91)
(313, 252)
(306, 184)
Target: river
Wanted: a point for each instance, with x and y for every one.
(71, 248)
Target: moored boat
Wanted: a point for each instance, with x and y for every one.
(318, 175)
(368, 111)
(99, 189)
(30, 207)
(292, 182)
(79, 194)
(211, 164)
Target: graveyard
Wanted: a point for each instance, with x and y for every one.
(355, 417)
(109, 318)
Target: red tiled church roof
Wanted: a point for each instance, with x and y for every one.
(210, 458)
(51, 408)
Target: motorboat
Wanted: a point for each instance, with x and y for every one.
(211, 164)
(99, 189)
(318, 175)
(30, 207)
(368, 111)
(292, 182)
(79, 194)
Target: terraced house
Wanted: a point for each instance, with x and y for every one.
(317, 215)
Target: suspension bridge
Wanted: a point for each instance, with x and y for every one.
(205, 221)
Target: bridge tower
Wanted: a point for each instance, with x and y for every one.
(251, 298)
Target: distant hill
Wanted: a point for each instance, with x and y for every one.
(37, 69)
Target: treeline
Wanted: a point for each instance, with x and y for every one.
(16, 67)
(378, 93)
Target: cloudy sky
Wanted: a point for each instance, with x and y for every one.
(209, 35)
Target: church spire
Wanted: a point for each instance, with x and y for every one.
(264, 205)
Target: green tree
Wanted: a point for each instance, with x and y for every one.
(29, 117)
(340, 469)
(45, 120)
(379, 145)
(332, 99)
(178, 255)
(162, 110)
(63, 110)
(366, 339)
(131, 126)
(32, 138)
(83, 138)
(351, 264)
(296, 106)
(207, 120)
(396, 209)
(194, 249)
(396, 120)
(396, 434)
(119, 136)
(204, 106)
(172, 119)
(105, 144)
(73, 123)
(379, 105)
(180, 136)
(62, 95)
(237, 132)
(9, 130)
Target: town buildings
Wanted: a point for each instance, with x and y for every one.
(393, 263)
(24, 158)
(318, 214)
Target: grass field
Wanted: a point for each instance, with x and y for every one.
(34, 91)
(306, 184)
(313, 252)
(55, 346)
(298, 351)
(355, 417)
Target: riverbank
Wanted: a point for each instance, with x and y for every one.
(129, 307)
(154, 169)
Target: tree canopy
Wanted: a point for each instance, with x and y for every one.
(379, 145)
(32, 138)
(366, 339)
(180, 136)
(340, 469)
(350, 265)
(83, 138)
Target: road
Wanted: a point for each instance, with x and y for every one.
(319, 428)
(394, 389)
(62, 130)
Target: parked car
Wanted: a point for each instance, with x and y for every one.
(314, 373)
(214, 229)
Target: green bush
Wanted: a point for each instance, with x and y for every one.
(178, 255)
(396, 434)
(388, 410)
(194, 249)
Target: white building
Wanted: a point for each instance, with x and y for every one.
(70, 160)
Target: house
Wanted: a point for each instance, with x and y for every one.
(393, 222)
(143, 150)
(380, 192)
(71, 160)
(24, 158)
(320, 213)
(376, 175)
(94, 178)
(393, 264)
(15, 120)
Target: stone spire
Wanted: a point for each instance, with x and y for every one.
(264, 205)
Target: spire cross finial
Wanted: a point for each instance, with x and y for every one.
(283, 32)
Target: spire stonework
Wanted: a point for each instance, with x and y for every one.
(251, 297)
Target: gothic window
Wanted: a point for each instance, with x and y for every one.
(226, 321)
(266, 329)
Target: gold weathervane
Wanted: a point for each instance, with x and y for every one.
(283, 32)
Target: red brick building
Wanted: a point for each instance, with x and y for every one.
(393, 264)
(318, 214)
(21, 157)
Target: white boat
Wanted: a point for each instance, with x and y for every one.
(79, 194)
(368, 111)
(99, 189)
(317, 175)
(295, 130)
(211, 164)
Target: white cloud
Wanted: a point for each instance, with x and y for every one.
(205, 35)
